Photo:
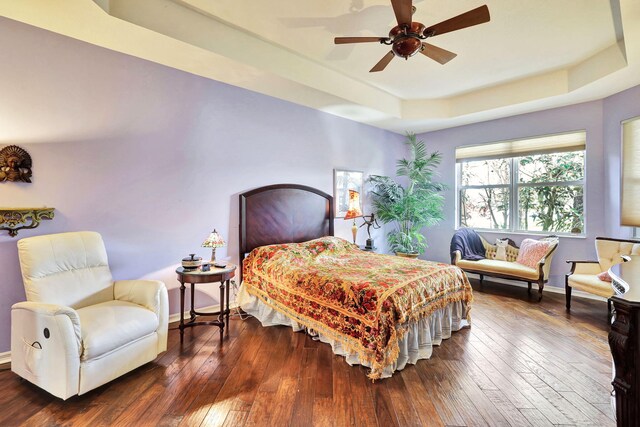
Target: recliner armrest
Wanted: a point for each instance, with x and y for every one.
(151, 294)
(146, 293)
(46, 346)
(38, 309)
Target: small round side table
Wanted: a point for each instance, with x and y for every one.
(222, 275)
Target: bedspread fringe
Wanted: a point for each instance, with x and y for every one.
(392, 349)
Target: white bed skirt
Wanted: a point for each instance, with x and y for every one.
(417, 344)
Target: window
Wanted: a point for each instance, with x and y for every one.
(630, 180)
(532, 185)
(343, 181)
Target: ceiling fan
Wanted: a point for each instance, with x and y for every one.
(406, 39)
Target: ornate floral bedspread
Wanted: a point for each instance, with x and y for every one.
(356, 297)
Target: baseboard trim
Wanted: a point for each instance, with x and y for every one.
(547, 287)
(5, 357)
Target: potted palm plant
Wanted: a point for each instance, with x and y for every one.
(415, 205)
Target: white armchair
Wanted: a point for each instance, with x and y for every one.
(584, 274)
(78, 328)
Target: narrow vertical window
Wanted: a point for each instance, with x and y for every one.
(630, 205)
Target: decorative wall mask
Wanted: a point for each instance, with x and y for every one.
(15, 164)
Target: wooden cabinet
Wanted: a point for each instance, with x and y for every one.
(624, 340)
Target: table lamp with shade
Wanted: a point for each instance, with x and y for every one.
(214, 241)
(354, 211)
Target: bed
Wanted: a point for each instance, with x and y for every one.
(380, 311)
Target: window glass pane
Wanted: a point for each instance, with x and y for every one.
(484, 208)
(553, 208)
(555, 167)
(486, 172)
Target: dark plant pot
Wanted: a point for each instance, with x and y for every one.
(408, 255)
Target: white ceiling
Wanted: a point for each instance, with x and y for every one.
(532, 55)
(507, 48)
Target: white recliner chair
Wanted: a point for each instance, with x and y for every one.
(79, 329)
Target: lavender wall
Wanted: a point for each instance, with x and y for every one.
(601, 119)
(153, 158)
(617, 108)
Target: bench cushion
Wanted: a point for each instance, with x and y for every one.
(590, 283)
(500, 267)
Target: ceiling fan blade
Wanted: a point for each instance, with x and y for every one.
(383, 62)
(403, 11)
(344, 40)
(473, 17)
(436, 53)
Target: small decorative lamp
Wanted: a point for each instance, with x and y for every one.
(354, 211)
(214, 241)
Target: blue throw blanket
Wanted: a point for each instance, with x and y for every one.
(468, 242)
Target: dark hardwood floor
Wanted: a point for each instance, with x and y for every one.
(522, 363)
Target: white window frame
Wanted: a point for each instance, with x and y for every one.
(513, 186)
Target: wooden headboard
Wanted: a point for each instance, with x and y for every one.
(283, 213)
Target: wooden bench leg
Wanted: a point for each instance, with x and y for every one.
(529, 289)
(540, 288)
(567, 292)
(481, 280)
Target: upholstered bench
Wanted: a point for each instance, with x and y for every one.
(509, 268)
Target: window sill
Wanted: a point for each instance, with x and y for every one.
(529, 234)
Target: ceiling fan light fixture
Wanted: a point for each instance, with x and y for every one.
(407, 39)
(406, 46)
(414, 29)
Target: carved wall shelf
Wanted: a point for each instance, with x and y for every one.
(14, 219)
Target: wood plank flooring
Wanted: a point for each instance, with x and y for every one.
(522, 363)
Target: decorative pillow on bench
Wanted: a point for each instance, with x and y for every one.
(604, 276)
(501, 251)
(532, 251)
